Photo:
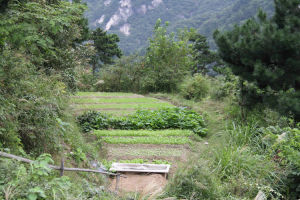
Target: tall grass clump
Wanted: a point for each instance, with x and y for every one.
(195, 181)
(237, 169)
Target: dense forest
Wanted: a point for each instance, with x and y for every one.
(70, 96)
(133, 20)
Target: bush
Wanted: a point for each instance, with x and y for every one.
(85, 80)
(165, 118)
(283, 145)
(93, 120)
(222, 87)
(124, 76)
(196, 87)
(193, 182)
(38, 181)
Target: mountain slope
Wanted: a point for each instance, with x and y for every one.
(133, 20)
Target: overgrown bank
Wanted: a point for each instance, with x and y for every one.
(40, 52)
(242, 157)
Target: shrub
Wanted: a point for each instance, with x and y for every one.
(85, 80)
(124, 76)
(93, 120)
(37, 181)
(284, 147)
(196, 87)
(222, 87)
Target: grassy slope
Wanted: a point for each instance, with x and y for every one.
(214, 111)
(115, 103)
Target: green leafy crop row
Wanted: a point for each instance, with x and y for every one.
(165, 118)
(142, 133)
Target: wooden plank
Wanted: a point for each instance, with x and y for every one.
(141, 168)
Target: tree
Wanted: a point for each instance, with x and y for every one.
(265, 54)
(38, 55)
(168, 60)
(201, 53)
(106, 48)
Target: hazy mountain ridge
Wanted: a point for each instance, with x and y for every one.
(133, 20)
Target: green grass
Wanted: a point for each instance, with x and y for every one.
(114, 100)
(142, 133)
(123, 106)
(146, 140)
(111, 112)
(213, 110)
(104, 94)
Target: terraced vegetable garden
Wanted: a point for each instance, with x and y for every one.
(118, 104)
(135, 127)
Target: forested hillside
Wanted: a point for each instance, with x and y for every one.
(133, 20)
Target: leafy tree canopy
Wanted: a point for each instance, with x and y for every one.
(201, 52)
(38, 55)
(106, 46)
(265, 53)
(168, 59)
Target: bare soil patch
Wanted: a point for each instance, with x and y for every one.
(145, 184)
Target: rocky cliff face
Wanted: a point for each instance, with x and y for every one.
(133, 20)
